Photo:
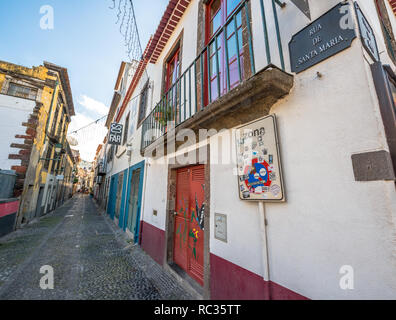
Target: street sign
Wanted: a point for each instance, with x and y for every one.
(325, 37)
(259, 167)
(115, 134)
(367, 34)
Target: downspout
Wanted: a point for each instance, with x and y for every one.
(146, 165)
(264, 242)
(126, 191)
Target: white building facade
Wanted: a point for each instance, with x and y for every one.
(324, 70)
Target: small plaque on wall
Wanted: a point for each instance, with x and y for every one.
(221, 227)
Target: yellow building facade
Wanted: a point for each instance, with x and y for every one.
(41, 100)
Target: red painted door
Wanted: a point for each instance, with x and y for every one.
(189, 221)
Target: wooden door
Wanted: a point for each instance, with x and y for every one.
(133, 205)
(189, 221)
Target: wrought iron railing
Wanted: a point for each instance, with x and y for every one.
(221, 66)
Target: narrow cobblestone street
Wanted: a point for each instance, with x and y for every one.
(90, 257)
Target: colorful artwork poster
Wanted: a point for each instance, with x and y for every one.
(258, 161)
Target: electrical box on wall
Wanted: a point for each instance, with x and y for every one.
(221, 227)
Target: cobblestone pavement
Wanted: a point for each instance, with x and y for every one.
(91, 260)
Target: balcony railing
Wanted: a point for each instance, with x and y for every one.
(225, 62)
(101, 168)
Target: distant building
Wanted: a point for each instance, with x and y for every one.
(36, 107)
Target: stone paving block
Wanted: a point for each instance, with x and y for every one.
(91, 258)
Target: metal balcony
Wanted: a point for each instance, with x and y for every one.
(221, 88)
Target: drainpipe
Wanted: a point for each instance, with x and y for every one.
(146, 165)
(128, 182)
(264, 241)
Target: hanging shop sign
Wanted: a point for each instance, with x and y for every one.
(303, 5)
(259, 166)
(331, 33)
(115, 134)
(367, 34)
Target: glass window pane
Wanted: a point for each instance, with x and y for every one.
(240, 40)
(232, 48)
(214, 7)
(231, 5)
(239, 19)
(230, 28)
(216, 22)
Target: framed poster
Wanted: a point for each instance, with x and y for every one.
(258, 161)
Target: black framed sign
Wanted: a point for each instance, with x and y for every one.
(258, 161)
(115, 134)
(328, 35)
(367, 34)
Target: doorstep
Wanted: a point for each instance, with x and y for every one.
(185, 280)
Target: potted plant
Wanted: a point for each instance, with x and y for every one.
(164, 115)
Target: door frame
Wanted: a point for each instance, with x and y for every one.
(170, 220)
(123, 195)
(39, 202)
(112, 195)
(132, 169)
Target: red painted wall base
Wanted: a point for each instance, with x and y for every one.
(229, 281)
(8, 212)
(153, 241)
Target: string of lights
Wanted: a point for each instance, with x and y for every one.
(128, 28)
(90, 124)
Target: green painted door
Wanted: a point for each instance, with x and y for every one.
(134, 202)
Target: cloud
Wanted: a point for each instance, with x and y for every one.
(89, 137)
(93, 105)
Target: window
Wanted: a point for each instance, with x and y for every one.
(172, 69)
(48, 156)
(55, 120)
(22, 91)
(143, 102)
(215, 16)
(225, 69)
(133, 117)
(126, 128)
(61, 125)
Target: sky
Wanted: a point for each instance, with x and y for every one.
(86, 40)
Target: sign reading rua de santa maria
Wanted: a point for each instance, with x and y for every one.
(331, 33)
